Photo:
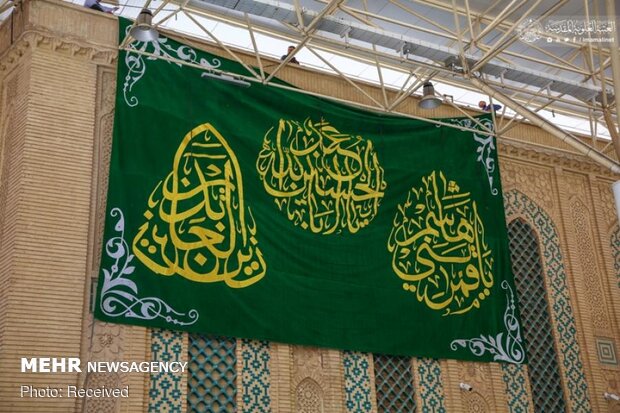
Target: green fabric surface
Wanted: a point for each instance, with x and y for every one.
(265, 213)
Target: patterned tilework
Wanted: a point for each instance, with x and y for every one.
(615, 250)
(356, 382)
(431, 387)
(165, 393)
(255, 373)
(394, 384)
(606, 351)
(212, 374)
(514, 377)
(544, 365)
(517, 203)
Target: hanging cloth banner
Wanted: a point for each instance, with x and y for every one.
(266, 213)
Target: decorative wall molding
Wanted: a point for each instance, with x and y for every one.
(430, 385)
(517, 388)
(536, 181)
(474, 402)
(309, 382)
(308, 362)
(8, 93)
(107, 343)
(517, 204)
(254, 376)
(6, 143)
(550, 156)
(309, 397)
(591, 286)
(607, 204)
(615, 251)
(317, 380)
(358, 388)
(167, 390)
(606, 350)
(478, 375)
(101, 341)
(40, 37)
(590, 269)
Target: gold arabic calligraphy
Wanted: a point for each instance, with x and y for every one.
(196, 224)
(439, 249)
(325, 181)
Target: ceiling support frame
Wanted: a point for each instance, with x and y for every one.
(381, 83)
(405, 93)
(547, 126)
(222, 45)
(509, 36)
(615, 62)
(569, 106)
(303, 91)
(346, 78)
(170, 15)
(255, 47)
(561, 65)
(498, 19)
(307, 32)
(590, 110)
(394, 62)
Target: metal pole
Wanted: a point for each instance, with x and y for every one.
(501, 44)
(346, 78)
(307, 32)
(542, 123)
(497, 20)
(615, 60)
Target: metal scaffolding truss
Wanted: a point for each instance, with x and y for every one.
(534, 57)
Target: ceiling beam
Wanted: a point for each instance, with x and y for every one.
(615, 67)
(510, 35)
(392, 61)
(307, 31)
(542, 123)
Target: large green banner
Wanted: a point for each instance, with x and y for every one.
(258, 212)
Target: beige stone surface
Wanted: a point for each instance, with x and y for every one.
(45, 242)
(57, 81)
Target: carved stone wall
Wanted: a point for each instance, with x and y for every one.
(56, 113)
(318, 380)
(105, 341)
(8, 96)
(592, 301)
(480, 398)
(12, 141)
(580, 217)
(608, 349)
(46, 212)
